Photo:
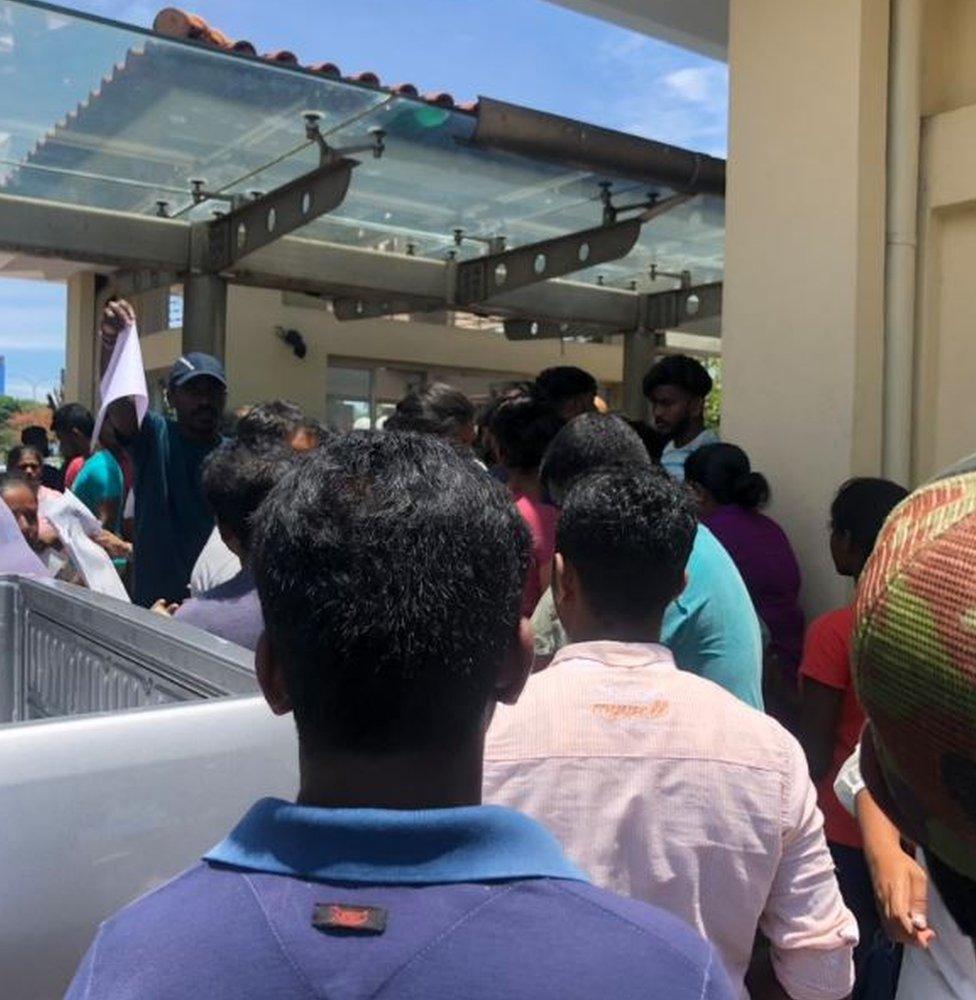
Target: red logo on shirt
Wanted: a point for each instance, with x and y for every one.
(344, 916)
(349, 918)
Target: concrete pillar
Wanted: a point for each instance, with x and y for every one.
(802, 333)
(152, 308)
(80, 375)
(204, 314)
(640, 350)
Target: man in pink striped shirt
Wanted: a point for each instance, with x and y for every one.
(660, 784)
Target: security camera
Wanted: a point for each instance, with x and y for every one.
(294, 340)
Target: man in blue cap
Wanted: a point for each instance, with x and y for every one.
(173, 521)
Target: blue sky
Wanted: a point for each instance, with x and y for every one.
(527, 51)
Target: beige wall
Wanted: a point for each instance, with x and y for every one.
(804, 281)
(949, 69)
(260, 366)
(945, 400)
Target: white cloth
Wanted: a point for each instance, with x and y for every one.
(215, 565)
(947, 969)
(124, 377)
(16, 556)
(75, 525)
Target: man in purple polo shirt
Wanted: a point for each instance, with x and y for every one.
(390, 572)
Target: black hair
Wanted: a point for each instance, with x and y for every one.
(724, 470)
(390, 571)
(18, 451)
(861, 508)
(237, 477)
(680, 370)
(269, 423)
(592, 441)
(36, 436)
(654, 441)
(628, 534)
(556, 385)
(523, 428)
(73, 416)
(439, 409)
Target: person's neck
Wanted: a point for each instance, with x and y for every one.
(645, 632)
(689, 434)
(526, 483)
(431, 779)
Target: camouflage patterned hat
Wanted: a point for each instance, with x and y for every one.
(914, 660)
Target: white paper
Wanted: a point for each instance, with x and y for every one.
(75, 525)
(124, 377)
(16, 556)
(92, 526)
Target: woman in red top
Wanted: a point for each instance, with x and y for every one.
(522, 429)
(830, 716)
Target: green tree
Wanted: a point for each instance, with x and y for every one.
(713, 404)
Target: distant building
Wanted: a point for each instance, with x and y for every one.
(3, 375)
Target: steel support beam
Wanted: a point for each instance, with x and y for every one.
(219, 244)
(134, 242)
(91, 235)
(205, 314)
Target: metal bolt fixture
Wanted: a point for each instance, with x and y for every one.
(198, 186)
(162, 208)
(379, 145)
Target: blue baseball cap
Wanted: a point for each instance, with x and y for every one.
(194, 364)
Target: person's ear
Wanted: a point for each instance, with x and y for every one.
(271, 677)
(517, 665)
(565, 582)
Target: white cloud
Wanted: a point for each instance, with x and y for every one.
(666, 93)
(697, 84)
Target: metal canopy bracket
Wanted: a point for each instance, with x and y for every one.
(216, 246)
(472, 282)
(671, 310)
(547, 329)
(371, 308)
(494, 274)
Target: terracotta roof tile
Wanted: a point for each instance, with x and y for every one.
(176, 23)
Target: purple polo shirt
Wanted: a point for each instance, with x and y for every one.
(476, 902)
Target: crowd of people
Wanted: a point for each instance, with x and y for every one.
(563, 728)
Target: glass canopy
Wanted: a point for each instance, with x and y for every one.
(102, 115)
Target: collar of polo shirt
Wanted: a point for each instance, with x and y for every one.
(391, 846)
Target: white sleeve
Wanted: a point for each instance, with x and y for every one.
(849, 781)
(215, 565)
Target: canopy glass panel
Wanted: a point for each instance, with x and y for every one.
(99, 114)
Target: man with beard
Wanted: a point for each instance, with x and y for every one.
(676, 388)
(172, 518)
